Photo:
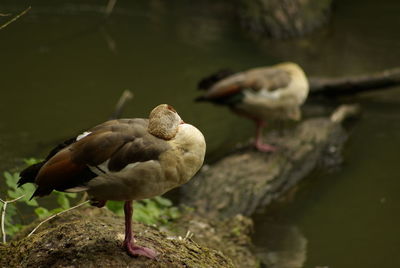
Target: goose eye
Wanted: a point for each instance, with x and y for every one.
(169, 107)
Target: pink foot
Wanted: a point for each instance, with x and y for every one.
(265, 148)
(260, 146)
(139, 251)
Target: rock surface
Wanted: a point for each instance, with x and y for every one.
(92, 237)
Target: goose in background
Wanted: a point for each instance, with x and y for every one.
(272, 92)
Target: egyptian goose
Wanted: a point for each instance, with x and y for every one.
(125, 159)
(266, 92)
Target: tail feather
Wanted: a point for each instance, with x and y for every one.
(209, 81)
(29, 174)
(41, 191)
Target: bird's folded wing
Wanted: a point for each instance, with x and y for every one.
(269, 79)
(120, 142)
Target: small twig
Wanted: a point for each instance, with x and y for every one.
(55, 215)
(3, 215)
(110, 7)
(5, 14)
(345, 111)
(112, 45)
(85, 197)
(188, 235)
(15, 18)
(126, 96)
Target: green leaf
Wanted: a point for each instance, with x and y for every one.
(30, 188)
(25, 199)
(174, 213)
(163, 201)
(42, 212)
(155, 211)
(141, 215)
(13, 194)
(71, 195)
(62, 200)
(25, 193)
(31, 202)
(11, 179)
(31, 161)
(116, 206)
(13, 228)
(11, 211)
(56, 210)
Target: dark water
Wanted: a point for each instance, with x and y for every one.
(347, 218)
(63, 67)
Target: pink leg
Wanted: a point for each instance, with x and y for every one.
(260, 124)
(129, 243)
(262, 147)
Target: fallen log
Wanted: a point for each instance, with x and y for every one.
(247, 179)
(320, 86)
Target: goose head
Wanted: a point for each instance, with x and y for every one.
(164, 122)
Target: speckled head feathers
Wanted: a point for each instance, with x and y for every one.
(164, 122)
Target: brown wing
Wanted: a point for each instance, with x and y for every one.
(121, 142)
(60, 173)
(270, 78)
(227, 87)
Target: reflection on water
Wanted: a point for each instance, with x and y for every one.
(284, 246)
(64, 67)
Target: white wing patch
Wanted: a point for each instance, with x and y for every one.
(81, 136)
(100, 170)
(276, 94)
(77, 189)
(263, 94)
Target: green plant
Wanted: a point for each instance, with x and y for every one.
(25, 192)
(154, 211)
(62, 201)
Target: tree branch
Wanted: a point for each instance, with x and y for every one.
(110, 7)
(15, 18)
(354, 84)
(55, 215)
(126, 96)
(3, 215)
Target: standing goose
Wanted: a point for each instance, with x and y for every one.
(267, 92)
(126, 160)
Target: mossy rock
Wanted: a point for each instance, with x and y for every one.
(93, 238)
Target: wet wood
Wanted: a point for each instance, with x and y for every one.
(246, 180)
(354, 84)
